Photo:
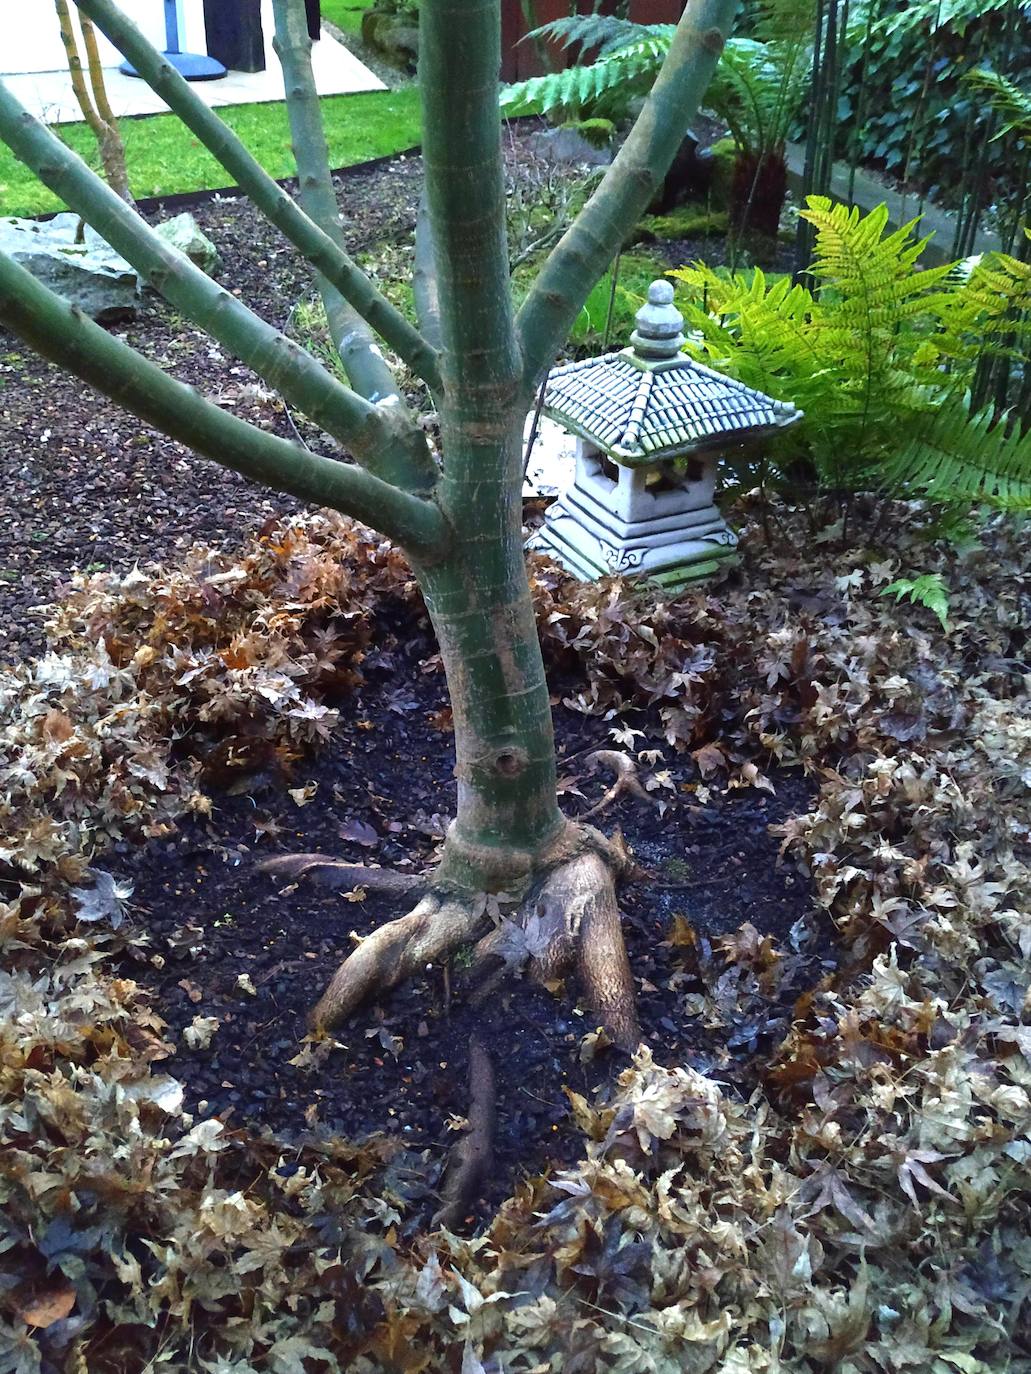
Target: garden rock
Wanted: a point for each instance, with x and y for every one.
(567, 145)
(183, 232)
(394, 33)
(88, 274)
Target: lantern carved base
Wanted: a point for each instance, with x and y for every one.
(674, 550)
(611, 521)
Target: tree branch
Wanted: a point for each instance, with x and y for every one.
(317, 246)
(581, 256)
(459, 60)
(365, 366)
(65, 336)
(112, 146)
(71, 53)
(377, 435)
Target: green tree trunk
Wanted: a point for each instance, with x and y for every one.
(479, 602)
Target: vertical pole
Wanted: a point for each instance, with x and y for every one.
(172, 26)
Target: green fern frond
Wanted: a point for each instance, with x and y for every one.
(999, 285)
(628, 70)
(855, 255)
(955, 456)
(988, 313)
(757, 89)
(928, 590)
(885, 351)
(759, 330)
(1010, 103)
(866, 323)
(572, 88)
(600, 34)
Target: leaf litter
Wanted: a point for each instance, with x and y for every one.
(858, 1201)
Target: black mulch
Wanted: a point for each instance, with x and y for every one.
(205, 918)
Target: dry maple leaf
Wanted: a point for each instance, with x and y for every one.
(48, 1306)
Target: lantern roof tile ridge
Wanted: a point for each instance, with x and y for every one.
(650, 401)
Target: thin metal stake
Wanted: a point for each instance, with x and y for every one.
(612, 299)
(535, 423)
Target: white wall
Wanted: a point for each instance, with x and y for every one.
(30, 38)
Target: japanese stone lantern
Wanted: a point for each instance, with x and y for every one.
(650, 424)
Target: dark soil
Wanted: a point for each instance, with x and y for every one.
(205, 918)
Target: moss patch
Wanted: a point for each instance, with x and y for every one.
(724, 157)
(686, 222)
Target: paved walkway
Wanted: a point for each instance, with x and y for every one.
(868, 191)
(49, 96)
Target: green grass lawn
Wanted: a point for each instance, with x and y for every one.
(345, 14)
(165, 158)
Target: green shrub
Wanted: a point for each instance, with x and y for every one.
(912, 59)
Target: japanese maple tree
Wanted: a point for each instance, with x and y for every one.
(456, 513)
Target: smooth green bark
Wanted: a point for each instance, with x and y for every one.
(65, 336)
(319, 248)
(424, 278)
(581, 256)
(479, 599)
(366, 368)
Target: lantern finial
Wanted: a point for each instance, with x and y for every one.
(660, 325)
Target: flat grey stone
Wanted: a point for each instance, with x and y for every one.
(88, 274)
(565, 145)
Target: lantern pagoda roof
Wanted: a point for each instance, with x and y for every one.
(650, 401)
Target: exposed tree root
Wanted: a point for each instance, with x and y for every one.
(397, 950)
(568, 920)
(471, 1157)
(578, 912)
(342, 876)
(625, 779)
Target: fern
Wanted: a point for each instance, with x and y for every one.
(874, 309)
(928, 590)
(955, 456)
(602, 34)
(873, 273)
(759, 330)
(881, 361)
(1010, 103)
(757, 88)
(988, 312)
(627, 68)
